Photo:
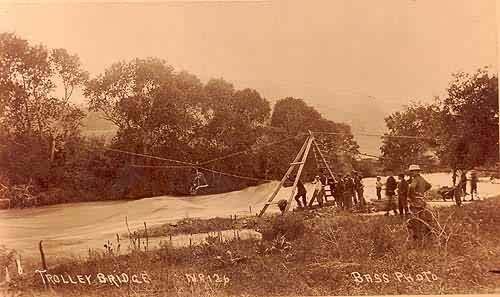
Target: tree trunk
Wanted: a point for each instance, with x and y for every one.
(52, 148)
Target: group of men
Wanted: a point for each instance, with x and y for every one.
(409, 192)
(347, 190)
(462, 183)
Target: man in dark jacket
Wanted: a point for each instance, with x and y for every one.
(390, 191)
(473, 184)
(348, 192)
(403, 195)
(360, 189)
(339, 192)
(301, 192)
(463, 181)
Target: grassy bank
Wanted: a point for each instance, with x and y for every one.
(321, 253)
(196, 225)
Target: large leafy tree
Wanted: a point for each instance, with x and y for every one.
(152, 106)
(34, 117)
(29, 75)
(415, 124)
(469, 132)
(463, 126)
(293, 116)
(236, 116)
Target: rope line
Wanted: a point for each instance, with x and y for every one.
(160, 166)
(235, 175)
(202, 168)
(150, 156)
(373, 135)
(250, 149)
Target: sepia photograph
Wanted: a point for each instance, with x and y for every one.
(186, 148)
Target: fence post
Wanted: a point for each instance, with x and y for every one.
(7, 275)
(20, 270)
(147, 236)
(42, 255)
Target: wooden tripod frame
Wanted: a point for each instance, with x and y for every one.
(302, 156)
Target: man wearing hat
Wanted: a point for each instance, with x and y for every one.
(318, 191)
(417, 187)
(416, 190)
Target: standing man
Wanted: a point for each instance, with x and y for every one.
(390, 192)
(324, 183)
(323, 178)
(301, 193)
(473, 184)
(318, 191)
(360, 189)
(348, 192)
(418, 206)
(454, 177)
(403, 195)
(463, 182)
(378, 186)
(339, 192)
(354, 178)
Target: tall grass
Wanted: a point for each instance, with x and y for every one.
(313, 255)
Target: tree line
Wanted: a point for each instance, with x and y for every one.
(457, 131)
(157, 111)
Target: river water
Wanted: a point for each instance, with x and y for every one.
(71, 229)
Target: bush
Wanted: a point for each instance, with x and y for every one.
(289, 225)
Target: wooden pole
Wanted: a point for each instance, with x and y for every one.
(285, 177)
(19, 267)
(147, 237)
(42, 255)
(299, 172)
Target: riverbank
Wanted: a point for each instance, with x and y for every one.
(71, 229)
(325, 254)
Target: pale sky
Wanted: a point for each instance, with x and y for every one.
(355, 61)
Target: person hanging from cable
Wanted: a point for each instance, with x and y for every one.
(199, 182)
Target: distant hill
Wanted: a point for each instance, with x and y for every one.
(94, 125)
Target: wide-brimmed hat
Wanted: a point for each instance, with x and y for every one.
(414, 167)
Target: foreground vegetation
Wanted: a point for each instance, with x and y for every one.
(309, 253)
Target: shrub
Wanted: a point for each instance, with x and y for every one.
(289, 225)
